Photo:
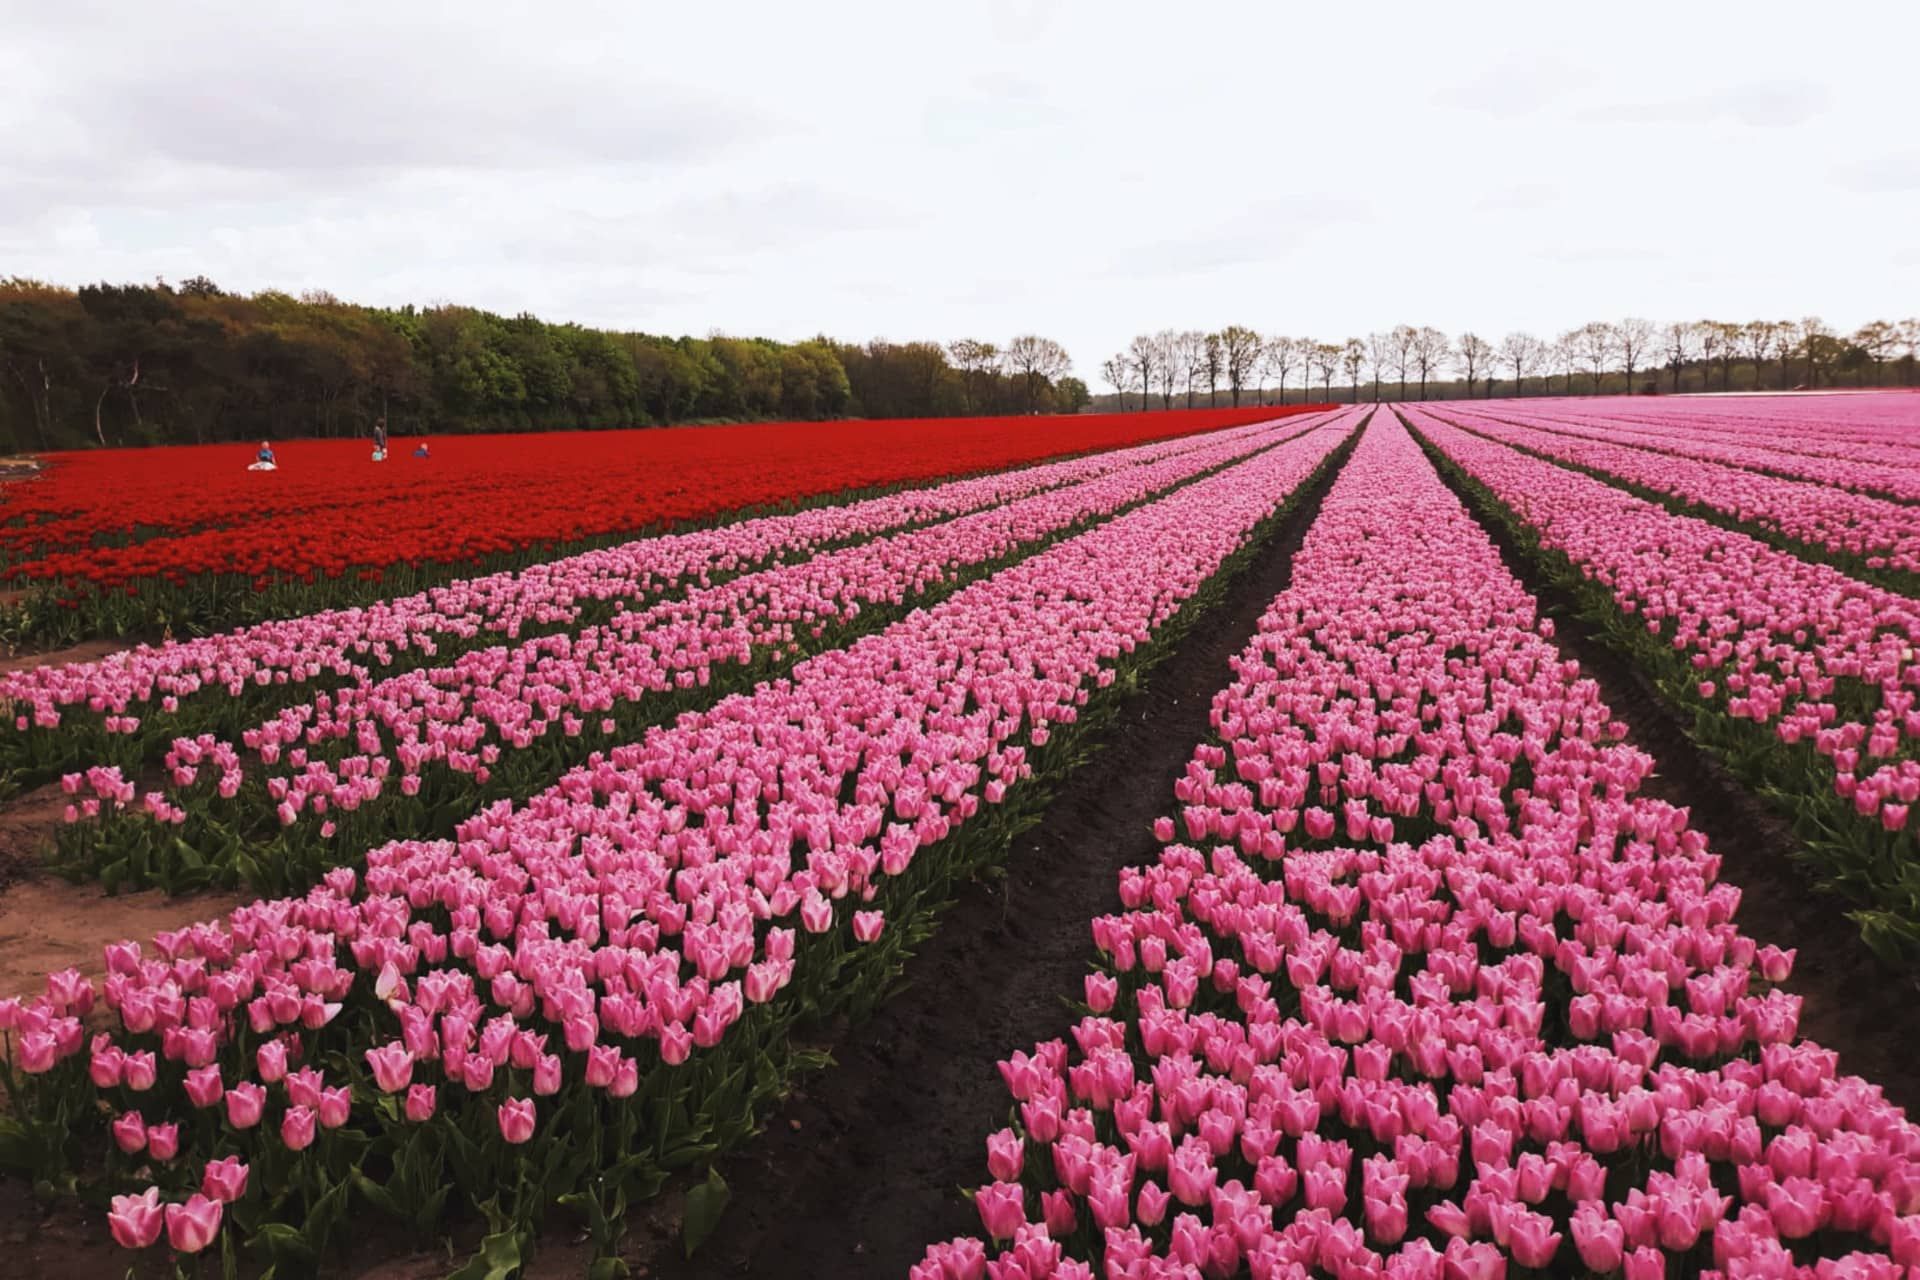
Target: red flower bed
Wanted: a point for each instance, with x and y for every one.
(111, 519)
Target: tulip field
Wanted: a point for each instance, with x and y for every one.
(571, 868)
(121, 542)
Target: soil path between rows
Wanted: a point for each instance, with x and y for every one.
(861, 1170)
(1854, 1003)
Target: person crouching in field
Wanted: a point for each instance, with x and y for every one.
(263, 460)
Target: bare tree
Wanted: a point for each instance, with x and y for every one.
(1632, 337)
(1325, 357)
(1240, 354)
(1379, 358)
(1280, 357)
(1683, 344)
(1192, 346)
(1214, 361)
(1759, 339)
(1118, 374)
(1168, 344)
(1037, 361)
(1563, 353)
(1472, 354)
(1878, 339)
(1910, 339)
(977, 362)
(1353, 354)
(1431, 349)
(1814, 343)
(1522, 353)
(1595, 343)
(1402, 339)
(1727, 338)
(1143, 357)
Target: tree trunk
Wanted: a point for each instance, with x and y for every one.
(133, 401)
(100, 431)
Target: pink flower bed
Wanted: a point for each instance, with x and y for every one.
(1883, 533)
(330, 757)
(498, 999)
(1810, 440)
(1772, 636)
(1418, 986)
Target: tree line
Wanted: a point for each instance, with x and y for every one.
(109, 365)
(1632, 356)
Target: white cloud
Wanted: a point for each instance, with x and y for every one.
(1085, 168)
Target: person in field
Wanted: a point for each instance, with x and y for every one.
(422, 452)
(264, 460)
(379, 439)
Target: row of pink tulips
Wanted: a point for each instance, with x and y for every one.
(592, 982)
(153, 692)
(1885, 419)
(1879, 532)
(1809, 446)
(1812, 673)
(432, 734)
(1477, 1008)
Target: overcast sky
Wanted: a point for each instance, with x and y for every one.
(979, 167)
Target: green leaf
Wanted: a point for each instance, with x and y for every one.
(498, 1259)
(705, 1204)
(283, 1243)
(20, 1148)
(378, 1196)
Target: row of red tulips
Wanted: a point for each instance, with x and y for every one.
(576, 995)
(123, 541)
(1418, 986)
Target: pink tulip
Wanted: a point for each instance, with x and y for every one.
(130, 1132)
(1005, 1153)
(334, 1106)
(867, 925)
(192, 1226)
(392, 1066)
(516, 1120)
(297, 1127)
(141, 1071)
(225, 1180)
(421, 1101)
(1002, 1209)
(204, 1086)
(246, 1102)
(163, 1141)
(136, 1220)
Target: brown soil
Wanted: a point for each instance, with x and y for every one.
(85, 651)
(47, 923)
